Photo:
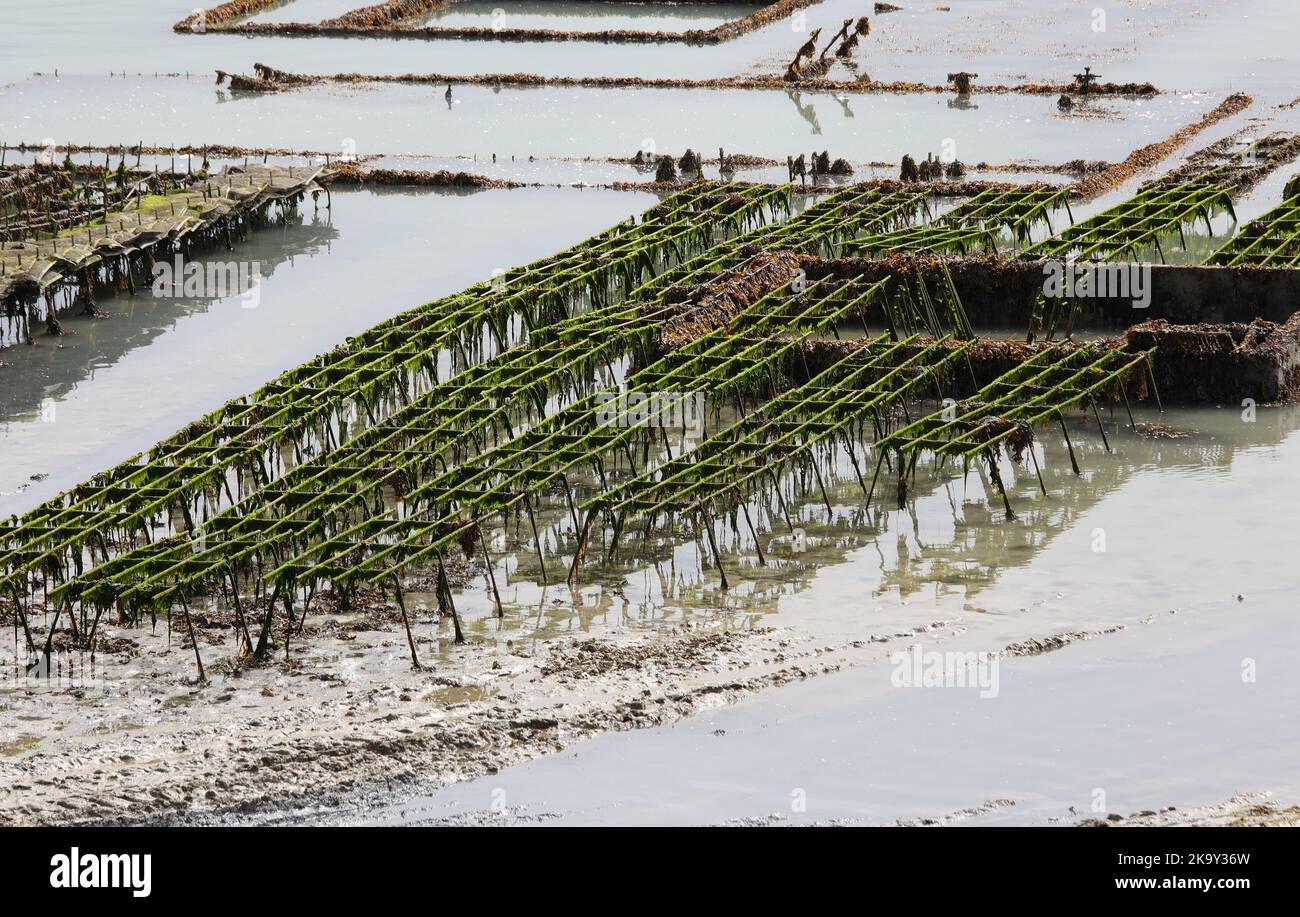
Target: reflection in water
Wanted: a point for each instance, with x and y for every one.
(951, 542)
(52, 368)
(109, 399)
(806, 110)
(578, 121)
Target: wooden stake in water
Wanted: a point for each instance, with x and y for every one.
(406, 623)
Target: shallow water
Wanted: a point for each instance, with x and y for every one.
(575, 121)
(584, 17)
(1218, 45)
(1147, 718)
(952, 556)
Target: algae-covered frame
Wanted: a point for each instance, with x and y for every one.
(393, 19)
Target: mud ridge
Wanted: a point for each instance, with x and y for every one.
(1150, 155)
(1241, 811)
(384, 20)
(288, 80)
(353, 174)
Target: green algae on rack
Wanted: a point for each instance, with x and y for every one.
(698, 308)
(584, 334)
(1271, 240)
(975, 223)
(312, 401)
(723, 472)
(1003, 413)
(1139, 221)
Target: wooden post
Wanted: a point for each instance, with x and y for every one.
(581, 547)
(1100, 426)
(762, 561)
(445, 602)
(713, 546)
(189, 625)
(1074, 463)
(491, 575)
(406, 623)
(997, 482)
(537, 541)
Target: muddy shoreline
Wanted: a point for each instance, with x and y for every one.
(401, 727)
(257, 742)
(306, 759)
